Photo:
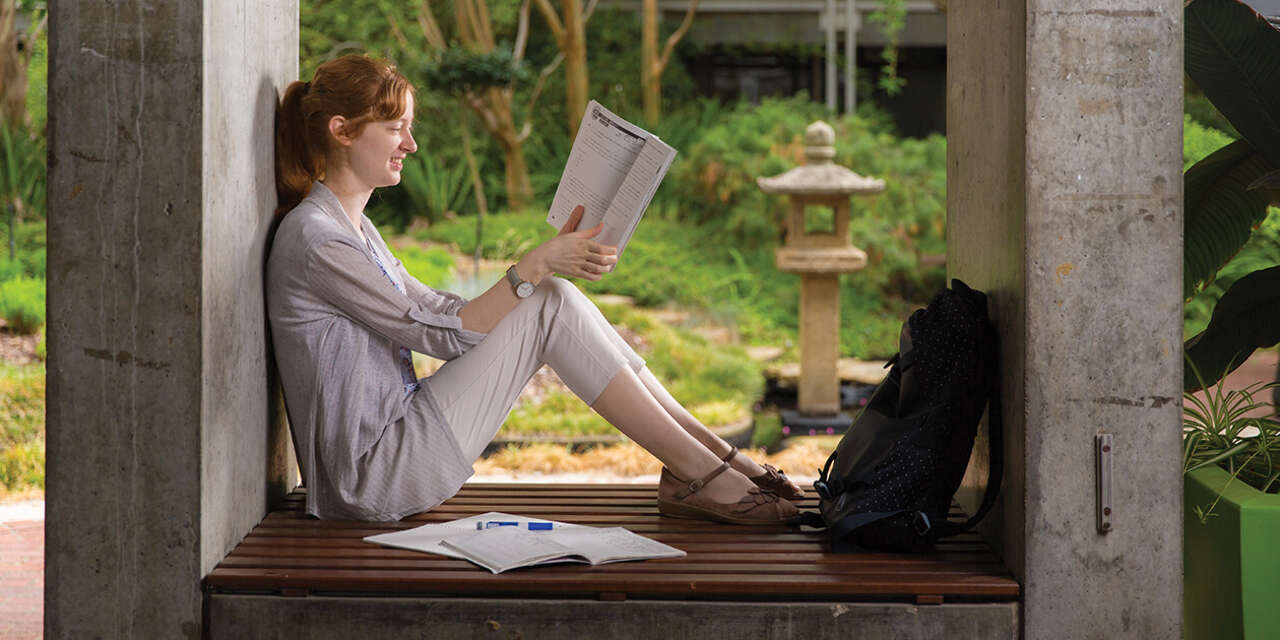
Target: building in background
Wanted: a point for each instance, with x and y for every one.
(751, 49)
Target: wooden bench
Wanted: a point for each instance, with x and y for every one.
(298, 573)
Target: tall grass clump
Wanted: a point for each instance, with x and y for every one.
(21, 427)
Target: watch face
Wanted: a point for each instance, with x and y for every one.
(524, 290)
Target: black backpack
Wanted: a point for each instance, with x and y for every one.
(889, 483)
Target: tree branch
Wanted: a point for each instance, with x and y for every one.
(522, 32)
(431, 28)
(553, 20)
(537, 86)
(484, 26)
(395, 30)
(675, 37)
(586, 14)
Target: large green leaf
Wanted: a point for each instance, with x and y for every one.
(1246, 318)
(1220, 209)
(1233, 55)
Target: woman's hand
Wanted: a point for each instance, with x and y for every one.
(571, 253)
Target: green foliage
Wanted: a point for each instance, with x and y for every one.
(1243, 320)
(38, 76)
(674, 263)
(767, 432)
(22, 173)
(1217, 431)
(1230, 54)
(434, 188)
(432, 266)
(22, 303)
(891, 17)
(1196, 105)
(456, 70)
(1220, 210)
(1199, 140)
(1262, 251)
(21, 426)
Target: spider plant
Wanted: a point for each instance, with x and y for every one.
(1218, 430)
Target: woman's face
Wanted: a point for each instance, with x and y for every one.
(377, 154)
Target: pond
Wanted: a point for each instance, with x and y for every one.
(468, 285)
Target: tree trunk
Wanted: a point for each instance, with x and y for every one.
(477, 187)
(519, 189)
(649, 75)
(574, 47)
(13, 69)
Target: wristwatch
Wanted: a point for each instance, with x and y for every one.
(523, 289)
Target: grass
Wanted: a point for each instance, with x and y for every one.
(21, 428)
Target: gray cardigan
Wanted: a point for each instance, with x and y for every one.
(337, 323)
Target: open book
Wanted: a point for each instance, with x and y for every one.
(614, 169)
(507, 547)
(502, 548)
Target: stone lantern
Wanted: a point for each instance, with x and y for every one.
(819, 256)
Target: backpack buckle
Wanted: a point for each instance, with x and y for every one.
(823, 490)
(920, 522)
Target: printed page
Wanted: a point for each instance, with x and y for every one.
(503, 548)
(613, 544)
(635, 192)
(601, 157)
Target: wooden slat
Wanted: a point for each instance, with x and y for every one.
(290, 552)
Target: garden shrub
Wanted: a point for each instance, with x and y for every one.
(21, 426)
(432, 266)
(22, 303)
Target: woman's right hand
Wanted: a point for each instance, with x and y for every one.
(571, 253)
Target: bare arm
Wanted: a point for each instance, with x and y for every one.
(571, 253)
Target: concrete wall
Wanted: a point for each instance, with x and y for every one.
(159, 184)
(1078, 235)
(250, 56)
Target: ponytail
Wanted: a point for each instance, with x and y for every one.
(296, 165)
(355, 87)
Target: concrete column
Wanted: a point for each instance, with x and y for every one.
(1064, 193)
(164, 439)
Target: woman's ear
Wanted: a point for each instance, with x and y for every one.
(338, 129)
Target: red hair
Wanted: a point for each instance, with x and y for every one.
(356, 87)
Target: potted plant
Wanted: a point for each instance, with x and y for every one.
(1231, 455)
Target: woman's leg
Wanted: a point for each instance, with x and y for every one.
(559, 326)
(694, 427)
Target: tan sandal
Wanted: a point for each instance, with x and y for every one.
(772, 480)
(679, 498)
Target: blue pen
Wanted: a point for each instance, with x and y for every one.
(532, 526)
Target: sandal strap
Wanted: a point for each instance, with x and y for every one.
(733, 451)
(694, 486)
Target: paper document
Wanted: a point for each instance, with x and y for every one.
(511, 546)
(614, 168)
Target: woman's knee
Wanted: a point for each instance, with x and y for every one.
(557, 287)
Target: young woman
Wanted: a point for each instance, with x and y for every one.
(374, 441)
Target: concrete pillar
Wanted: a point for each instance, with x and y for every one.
(165, 440)
(1064, 202)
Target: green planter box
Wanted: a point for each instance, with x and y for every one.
(1232, 562)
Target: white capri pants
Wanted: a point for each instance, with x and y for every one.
(558, 326)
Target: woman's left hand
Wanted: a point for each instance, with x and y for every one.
(571, 253)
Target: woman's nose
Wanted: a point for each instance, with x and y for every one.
(409, 144)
